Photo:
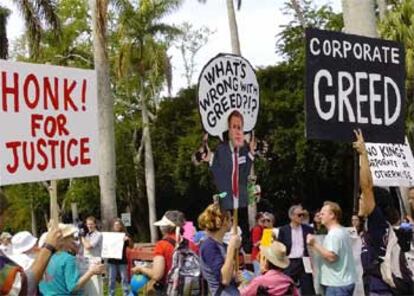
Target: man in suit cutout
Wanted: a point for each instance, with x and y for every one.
(228, 177)
(293, 236)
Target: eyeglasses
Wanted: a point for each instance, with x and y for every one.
(300, 214)
(266, 220)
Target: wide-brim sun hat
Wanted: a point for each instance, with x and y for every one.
(165, 222)
(22, 242)
(276, 254)
(5, 235)
(67, 229)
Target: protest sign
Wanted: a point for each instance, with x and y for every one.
(112, 244)
(354, 82)
(391, 164)
(227, 83)
(126, 219)
(49, 124)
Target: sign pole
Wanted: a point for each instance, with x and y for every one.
(54, 210)
(235, 224)
(356, 182)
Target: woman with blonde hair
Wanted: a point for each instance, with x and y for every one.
(217, 262)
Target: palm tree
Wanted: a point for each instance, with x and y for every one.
(143, 60)
(35, 13)
(107, 175)
(398, 24)
(359, 17)
(4, 42)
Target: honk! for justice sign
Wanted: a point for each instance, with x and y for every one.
(354, 82)
(49, 126)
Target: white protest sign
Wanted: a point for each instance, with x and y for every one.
(112, 244)
(391, 164)
(49, 124)
(227, 83)
(126, 219)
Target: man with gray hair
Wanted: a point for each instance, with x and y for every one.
(293, 236)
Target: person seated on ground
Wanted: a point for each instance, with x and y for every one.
(273, 261)
(374, 205)
(217, 263)
(15, 281)
(164, 249)
(62, 276)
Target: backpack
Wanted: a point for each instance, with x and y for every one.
(184, 278)
(394, 267)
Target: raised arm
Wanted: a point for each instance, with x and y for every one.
(366, 201)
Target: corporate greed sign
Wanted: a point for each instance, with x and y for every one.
(49, 126)
(354, 82)
(227, 83)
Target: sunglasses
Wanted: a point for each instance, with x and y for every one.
(300, 215)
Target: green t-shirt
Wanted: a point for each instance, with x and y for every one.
(341, 272)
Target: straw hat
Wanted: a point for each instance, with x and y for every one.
(67, 229)
(22, 242)
(276, 254)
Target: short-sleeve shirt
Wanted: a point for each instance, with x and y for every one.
(95, 239)
(373, 247)
(61, 276)
(342, 271)
(165, 249)
(257, 232)
(212, 254)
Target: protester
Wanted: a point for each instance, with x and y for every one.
(269, 222)
(293, 236)
(216, 262)
(256, 236)
(306, 217)
(318, 227)
(119, 266)
(62, 275)
(164, 249)
(338, 274)
(5, 241)
(15, 281)
(24, 249)
(92, 241)
(375, 206)
(272, 263)
(357, 224)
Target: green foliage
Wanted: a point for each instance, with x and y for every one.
(398, 25)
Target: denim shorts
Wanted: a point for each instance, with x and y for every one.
(340, 291)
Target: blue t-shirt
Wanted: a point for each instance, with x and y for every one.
(213, 254)
(61, 276)
(373, 247)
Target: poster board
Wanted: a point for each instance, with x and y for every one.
(354, 82)
(49, 124)
(112, 244)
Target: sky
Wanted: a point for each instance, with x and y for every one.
(259, 23)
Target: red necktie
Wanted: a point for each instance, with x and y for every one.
(235, 178)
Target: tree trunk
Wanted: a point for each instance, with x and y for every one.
(382, 7)
(149, 170)
(234, 33)
(359, 17)
(107, 175)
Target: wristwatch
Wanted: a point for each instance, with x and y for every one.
(49, 247)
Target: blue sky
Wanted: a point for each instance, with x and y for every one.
(259, 22)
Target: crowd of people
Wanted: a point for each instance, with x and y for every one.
(50, 265)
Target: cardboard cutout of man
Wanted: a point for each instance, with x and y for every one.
(231, 163)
